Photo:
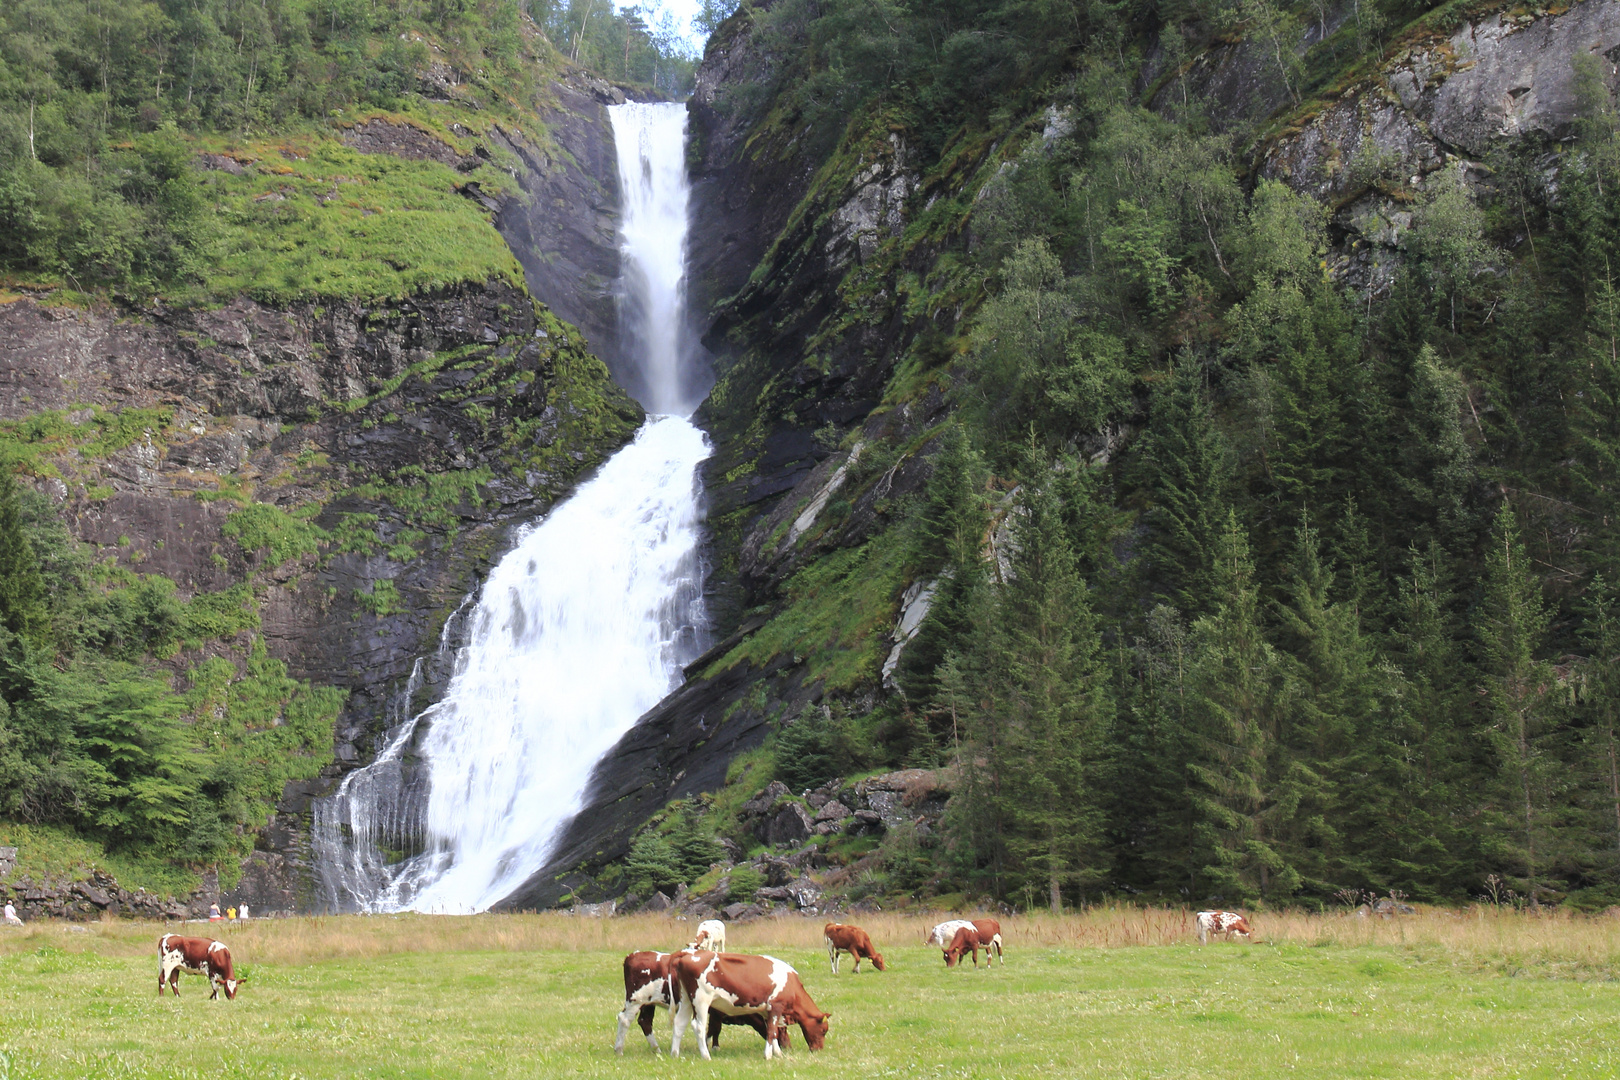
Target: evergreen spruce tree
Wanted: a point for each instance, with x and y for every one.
(1152, 814)
(1234, 707)
(1190, 470)
(22, 589)
(950, 541)
(1602, 717)
(1328, 741)
(1418, 824)
(1057, 705)
(1511, 629)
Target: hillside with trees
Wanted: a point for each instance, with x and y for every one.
(1261, 472)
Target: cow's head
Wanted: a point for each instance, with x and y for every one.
(965, 941)
(877, 961)
(814, 1024)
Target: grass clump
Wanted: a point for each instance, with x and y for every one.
(281, 535)
(382, 599)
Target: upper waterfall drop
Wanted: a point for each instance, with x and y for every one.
(580, 629)
(650, 140)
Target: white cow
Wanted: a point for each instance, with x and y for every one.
(711, 935)
(1227, 924)
(942, 934)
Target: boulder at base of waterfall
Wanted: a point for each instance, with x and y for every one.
(741, 912)
(790, 825)
(658, 902)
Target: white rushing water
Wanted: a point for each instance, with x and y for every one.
(580, 629)
(650, 140)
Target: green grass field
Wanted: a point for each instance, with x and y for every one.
(536, 996)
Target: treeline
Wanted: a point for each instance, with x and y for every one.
(97, 100)
(1341, 614)
(637, 44)
(99, 735)
(1251, 587)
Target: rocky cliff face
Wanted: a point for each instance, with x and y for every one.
(564, 229)
(1444, 101)
(382, 451)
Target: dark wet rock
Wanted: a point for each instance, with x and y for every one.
(766, 799)
(249, 390)
(790, 825)
(742, 912)
(832, 811)
(657, 902)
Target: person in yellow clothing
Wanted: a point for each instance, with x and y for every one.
(230, 913)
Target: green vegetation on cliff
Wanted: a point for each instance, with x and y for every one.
(194, 148)
(97, 737)
(1267, 568)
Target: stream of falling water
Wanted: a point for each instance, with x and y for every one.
(581, 628)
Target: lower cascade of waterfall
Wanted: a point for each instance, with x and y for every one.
(580, 629)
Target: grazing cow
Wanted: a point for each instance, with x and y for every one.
(711, 935)
(942, 934)
(732, 985)
(971, 937)
(852, 940)
(200, 956)
(649, 985)
(1227, 924)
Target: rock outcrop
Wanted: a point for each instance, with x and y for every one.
(564, 229)
(1448, 100)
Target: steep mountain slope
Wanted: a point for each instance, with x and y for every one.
(1263, 340)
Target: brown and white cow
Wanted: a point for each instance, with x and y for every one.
(1227, 924)
(735, 985)
(200, 956)
(971, 937)
(853, 940)
(649, 985)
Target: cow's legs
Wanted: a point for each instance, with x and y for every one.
(683, 1017)
(700, 1013)
(168, 972)
(646, 1020)
(629, 1010)
(832, 955)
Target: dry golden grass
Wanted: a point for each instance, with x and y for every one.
(1487, 935)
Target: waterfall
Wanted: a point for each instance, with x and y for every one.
(651, 144)
(581, 628)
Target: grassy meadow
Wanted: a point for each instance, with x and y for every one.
(1110, 993)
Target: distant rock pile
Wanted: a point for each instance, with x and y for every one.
(798, 827)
